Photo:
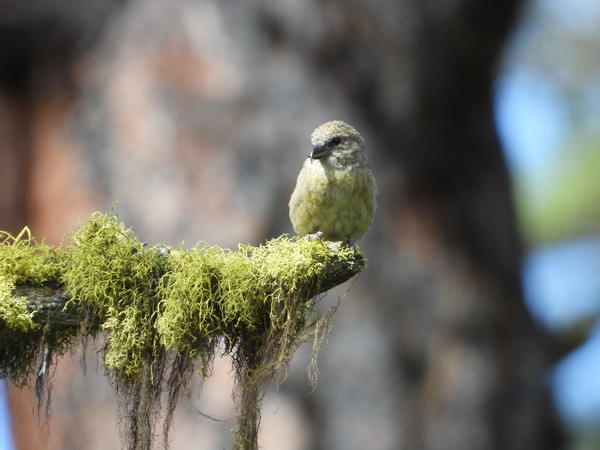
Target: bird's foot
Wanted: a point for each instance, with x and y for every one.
(318, 236)
(347, 242)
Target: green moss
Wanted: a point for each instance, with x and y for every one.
(13, 310)
(164, 311)
(23, 261)
(189, 313)
(26, 261)
(208, 291)
(111, 275)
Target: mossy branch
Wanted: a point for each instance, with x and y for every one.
(49, 304)
(164, 312)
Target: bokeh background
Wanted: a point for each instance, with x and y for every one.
(475, 323)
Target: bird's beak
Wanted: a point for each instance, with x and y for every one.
(318, 151)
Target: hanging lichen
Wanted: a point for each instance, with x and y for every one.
(165, 312)
(23, 260)
(255, 299)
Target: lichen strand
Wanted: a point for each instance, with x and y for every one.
(13, 310)
(210, 292)
(256, 300)
(112, 278)
(285, 320)
(112, 275)
(24, 260)
(190, 316)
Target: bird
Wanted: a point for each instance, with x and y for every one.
(335, 193)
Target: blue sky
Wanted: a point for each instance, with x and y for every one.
(561, 280)
(531, 121)
(562, 285)
(5, 439)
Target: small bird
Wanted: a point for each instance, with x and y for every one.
(335, 191)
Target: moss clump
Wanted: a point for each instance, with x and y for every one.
(209, 292)
(13, 310)
(255, 300)
(164, 312)
(24, 260)
(112, 277)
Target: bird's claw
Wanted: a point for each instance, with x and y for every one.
(347, 242)
(318, 236)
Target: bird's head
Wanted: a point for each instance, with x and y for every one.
(338, 141)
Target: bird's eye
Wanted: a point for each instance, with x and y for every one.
(335, 141)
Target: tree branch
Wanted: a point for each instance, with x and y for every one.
(49, 301)
(166, 311)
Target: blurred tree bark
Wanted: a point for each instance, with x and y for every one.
(193, 115)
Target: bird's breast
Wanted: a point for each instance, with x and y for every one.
(338, 202)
